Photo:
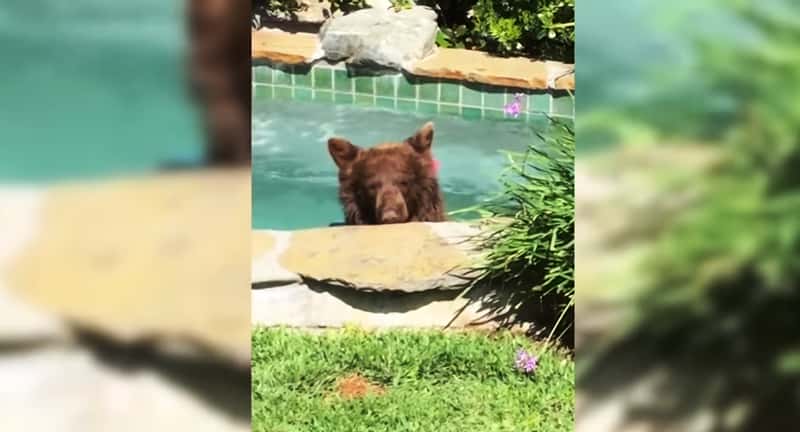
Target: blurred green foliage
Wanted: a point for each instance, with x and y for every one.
(720, 307)
(760, 188)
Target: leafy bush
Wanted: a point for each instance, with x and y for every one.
(531, 253)
(532, 28)
(275, 8)
(759, 188)
(347, 6)
(718, 316)
(284, 8)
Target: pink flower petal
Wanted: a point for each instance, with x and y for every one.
(436, 166)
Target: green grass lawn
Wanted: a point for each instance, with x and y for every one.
(419, 381)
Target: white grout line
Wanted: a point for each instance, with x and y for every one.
(333, 85)
(460, 99)
(313, 86)
(291, 78)
(416, 97)
(396, 81)
(483, 102)
(438, 97)
(353, 89)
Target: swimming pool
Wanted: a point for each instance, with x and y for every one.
(294, 178)
(97, 91)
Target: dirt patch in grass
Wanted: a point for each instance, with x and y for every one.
(355, 386)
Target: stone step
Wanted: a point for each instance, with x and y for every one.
(317, 305)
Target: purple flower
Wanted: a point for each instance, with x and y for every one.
(514, 108)
(526, 362)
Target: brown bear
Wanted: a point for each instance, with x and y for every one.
(389, 183)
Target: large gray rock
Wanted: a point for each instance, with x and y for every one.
(383, 37)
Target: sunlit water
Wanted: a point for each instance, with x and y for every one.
(92, 88)
(294, 178)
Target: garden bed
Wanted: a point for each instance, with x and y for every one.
(543, 29)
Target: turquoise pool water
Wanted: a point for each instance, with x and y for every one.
(92, 88)
(294, 179)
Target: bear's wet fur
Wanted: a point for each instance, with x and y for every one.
(388, 183)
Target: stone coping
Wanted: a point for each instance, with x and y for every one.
(480, 67)
(446, 63)
(283, 47)
(154, 259)
(410, 257)
(375, 277)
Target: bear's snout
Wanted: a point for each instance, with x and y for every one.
(391, 207)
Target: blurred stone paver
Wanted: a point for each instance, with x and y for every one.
(162, 258)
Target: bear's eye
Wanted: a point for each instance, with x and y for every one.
(373, 186)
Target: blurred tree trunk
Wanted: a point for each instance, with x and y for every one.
(219, 76)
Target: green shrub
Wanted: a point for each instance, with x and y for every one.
(347, 6)
(718, 313)
(748, 222)
(273, 8)
(531, 253)
(531, 28)
(282, 8)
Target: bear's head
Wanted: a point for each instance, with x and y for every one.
(388, 183)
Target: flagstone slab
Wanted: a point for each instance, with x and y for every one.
(265, 268)
(160, 258)
(284, 47)
(480, 67)
(409, 257)
(20, 322)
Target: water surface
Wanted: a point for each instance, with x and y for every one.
(294, 178)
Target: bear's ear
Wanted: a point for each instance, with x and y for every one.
(342, 151)
(422, 139)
